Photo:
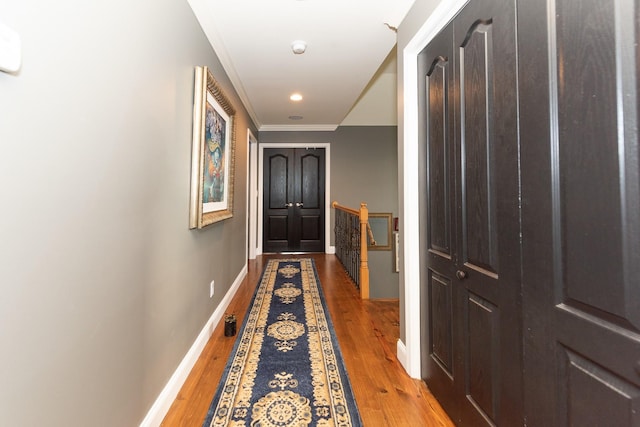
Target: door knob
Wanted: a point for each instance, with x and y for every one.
(461, 275)
(288, 205)
(298, 204)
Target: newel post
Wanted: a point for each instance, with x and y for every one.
(364, 256)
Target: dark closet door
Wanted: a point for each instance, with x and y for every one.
(472, 285)
(294, 192)
(438, 220)
(581, 211)
(488, 195)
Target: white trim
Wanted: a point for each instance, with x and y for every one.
(331, 250)
(252, 194)
(168, 394)
(327, 187)
(401, 352)
(298, 128)
(440, 17)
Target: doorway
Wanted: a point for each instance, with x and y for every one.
(293, 199)
(252, 195)
(299, 173)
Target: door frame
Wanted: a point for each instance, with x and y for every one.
(252, 195)
(327, 192)
(408, 353)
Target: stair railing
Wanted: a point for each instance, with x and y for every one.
(351, 232)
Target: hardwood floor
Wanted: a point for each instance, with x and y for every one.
(367, 332)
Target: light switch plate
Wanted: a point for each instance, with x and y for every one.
(10, 49)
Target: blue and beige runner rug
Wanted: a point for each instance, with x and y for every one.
(286, 368)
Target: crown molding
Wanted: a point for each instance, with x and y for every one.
(297, 128)
(201, 11)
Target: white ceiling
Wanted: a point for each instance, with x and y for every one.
(347, 42)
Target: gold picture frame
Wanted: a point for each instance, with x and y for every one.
(212, 152)
(380, 229)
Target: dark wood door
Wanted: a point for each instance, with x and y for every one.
(438, 220)
(472, 358)
(581, 211)
(294, 193)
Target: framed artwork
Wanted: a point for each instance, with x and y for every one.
(212, 153)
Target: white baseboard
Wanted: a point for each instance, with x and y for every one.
(331, 250)
(164, 401)
(401, 354)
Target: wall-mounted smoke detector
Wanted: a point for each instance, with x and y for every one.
(298, 47)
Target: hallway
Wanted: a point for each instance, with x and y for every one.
(367, 332)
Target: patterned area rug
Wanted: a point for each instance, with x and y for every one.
(286, 368)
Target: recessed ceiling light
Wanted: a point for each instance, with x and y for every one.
(295, 117)
(296, 97)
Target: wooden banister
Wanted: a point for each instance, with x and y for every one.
(363, 215)
(337, 205)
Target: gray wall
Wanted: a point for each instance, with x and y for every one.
(104, 288)
(364, 168)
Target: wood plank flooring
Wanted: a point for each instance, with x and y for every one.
(367, 332)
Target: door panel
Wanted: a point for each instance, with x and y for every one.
(277, 181)
(440, 154)
(477, 139)
(581, 216)
(278, 228)
(441, 323)
(596, 167)
(589, 386)
(310, 173)
(481, 354)
(293, 200)
(310, 227)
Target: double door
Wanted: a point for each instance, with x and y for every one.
(471, 284)
(531, 212)
(294, 200)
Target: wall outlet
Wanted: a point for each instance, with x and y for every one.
(211, 288)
